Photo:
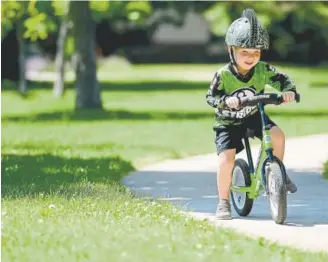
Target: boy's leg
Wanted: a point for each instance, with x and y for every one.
(228, 142)
(226, 161)
(224, 175)
(278, 143)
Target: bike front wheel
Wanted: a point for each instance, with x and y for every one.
(241, 177)
(277, 191)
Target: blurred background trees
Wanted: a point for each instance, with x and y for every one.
(151, 32)
(298, 30)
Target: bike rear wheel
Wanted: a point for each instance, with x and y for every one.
(277, 191)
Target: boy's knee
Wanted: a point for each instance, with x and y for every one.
(277, 134)
(227, 159)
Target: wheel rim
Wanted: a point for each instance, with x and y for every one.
(238, 180)
(273, 194)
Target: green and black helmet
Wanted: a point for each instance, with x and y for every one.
(247, 32)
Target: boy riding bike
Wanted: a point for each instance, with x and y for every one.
(245, 75)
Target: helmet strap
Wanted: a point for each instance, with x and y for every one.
(233, 60)
(232, 56)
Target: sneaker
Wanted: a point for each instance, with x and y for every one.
(223, 211)
(290, 185)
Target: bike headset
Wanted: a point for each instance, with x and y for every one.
(246, 32)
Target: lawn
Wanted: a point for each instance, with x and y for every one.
(325, 170)
(61, 197)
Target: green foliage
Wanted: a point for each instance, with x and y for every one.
(135, 11)
(285, 22)
(11, 11)
(41, 17)
(69, 46)
(218, 17)
(99, 6)
(38, 26)
(138, 11)
(60, 7)
(221, 14)
(37, 22)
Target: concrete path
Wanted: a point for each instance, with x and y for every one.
(191, 184)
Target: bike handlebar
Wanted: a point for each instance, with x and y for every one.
(265, 99)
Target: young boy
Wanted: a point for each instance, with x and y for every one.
(245, 75)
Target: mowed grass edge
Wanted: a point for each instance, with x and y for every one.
(325, 170)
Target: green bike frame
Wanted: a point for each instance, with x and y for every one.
(258, 179)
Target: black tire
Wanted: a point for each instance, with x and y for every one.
(243, 208)
(277, 191)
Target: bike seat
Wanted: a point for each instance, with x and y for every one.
(250, 133)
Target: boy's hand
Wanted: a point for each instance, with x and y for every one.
(288, 96)
(232, 102)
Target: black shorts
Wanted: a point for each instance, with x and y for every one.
(230, 137)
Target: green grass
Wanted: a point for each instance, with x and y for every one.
(103, 223)
(325, 170)
(69, 209)
(61, 197)
(136, 131)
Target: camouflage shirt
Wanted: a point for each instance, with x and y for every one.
(226, 82)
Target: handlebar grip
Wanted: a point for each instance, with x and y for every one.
(297, 98)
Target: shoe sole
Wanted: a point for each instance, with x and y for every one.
(223, 218)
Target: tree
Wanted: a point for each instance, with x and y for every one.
(63, 11)
(13, 14)
(83, 16)
(22, 52)
(86, 83)
(39, 20)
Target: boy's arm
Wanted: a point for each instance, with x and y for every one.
(279, 81)
(215, 95)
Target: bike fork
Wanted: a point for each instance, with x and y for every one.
(249, 155)
(254, 187)
(267, 146)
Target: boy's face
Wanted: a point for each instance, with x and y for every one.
(247, 58)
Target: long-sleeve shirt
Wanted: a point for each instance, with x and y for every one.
(227, 82)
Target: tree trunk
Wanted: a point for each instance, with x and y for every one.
(21, 56)
(58, 88)
(87, 87)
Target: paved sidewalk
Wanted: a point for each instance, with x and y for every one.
(191, 184)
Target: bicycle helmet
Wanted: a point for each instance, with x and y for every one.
(247, 32)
